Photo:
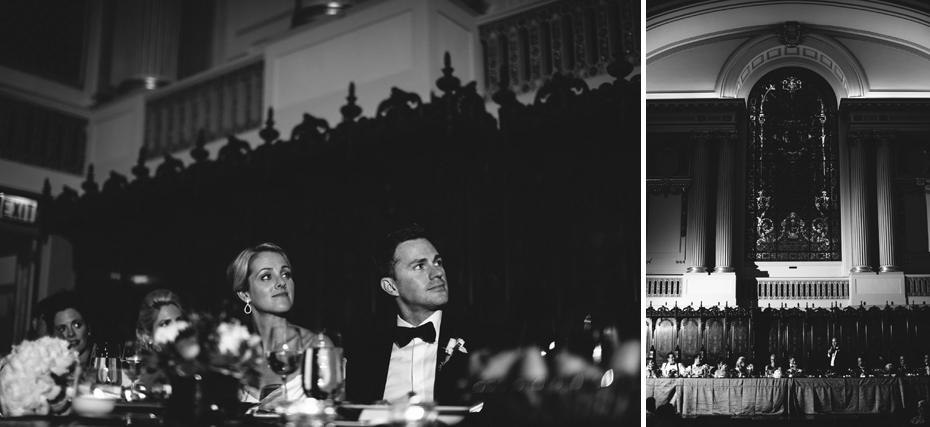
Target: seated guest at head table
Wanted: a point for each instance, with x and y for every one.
(794, 370)
(860, 370)
(751, 371)
(771, 367)
(261, 278)
(651, 368)
(671, 368)
(890, 370)
(699, 369)
(903, 367)
(66, 318)
(424, 348)
(722, 370)
(158, 309)
(740, 371)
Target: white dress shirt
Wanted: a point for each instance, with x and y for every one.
(413, 368)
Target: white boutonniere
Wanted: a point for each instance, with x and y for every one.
(453, 345)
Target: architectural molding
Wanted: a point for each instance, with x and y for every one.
(820, 53)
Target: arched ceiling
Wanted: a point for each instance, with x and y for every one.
(712, 48)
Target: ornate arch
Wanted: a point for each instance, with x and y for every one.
(818, 53)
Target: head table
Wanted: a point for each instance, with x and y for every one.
(789, 396)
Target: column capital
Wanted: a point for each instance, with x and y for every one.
(883, 137)
(701, 136)
(858, 137)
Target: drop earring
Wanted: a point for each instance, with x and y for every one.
(248, 307)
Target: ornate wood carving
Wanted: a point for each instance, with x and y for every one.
(500, 197)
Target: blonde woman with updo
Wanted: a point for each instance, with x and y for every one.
(159, 308)
(261, 277)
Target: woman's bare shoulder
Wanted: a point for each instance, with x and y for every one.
(305, 337)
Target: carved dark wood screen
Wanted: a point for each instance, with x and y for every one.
(879, 335)
(537, 219)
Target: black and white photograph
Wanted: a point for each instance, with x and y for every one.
(787, 251)
(321, 212)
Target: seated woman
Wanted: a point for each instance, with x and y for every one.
(740, 370)
(722, 370)
(699, 369)
(651, 368)
(751, 371)
(261, 278)
(65, 318)
(158, 309)
(794, 371)
(671, 368)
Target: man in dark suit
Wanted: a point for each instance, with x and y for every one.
(424, 351)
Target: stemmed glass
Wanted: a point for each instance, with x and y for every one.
(284, 357)
(132, 362)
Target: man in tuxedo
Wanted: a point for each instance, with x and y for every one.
(834, 355)
(424, 349)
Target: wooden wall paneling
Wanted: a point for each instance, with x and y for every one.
(740, 337)
(874, 344)
(898, 336)
(922, 333)
(848, 338)
(819, 342)
(794, 339)
(665, 339)
(690, 337)
(772, 338)
(650, 333)
(716, 339)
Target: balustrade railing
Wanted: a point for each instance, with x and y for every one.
(918, 285)
(663, 286)
(578, 37)
(802, 288)
(224, 104)
(41, 136)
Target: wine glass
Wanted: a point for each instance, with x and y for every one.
(284, 357)
(132, 362)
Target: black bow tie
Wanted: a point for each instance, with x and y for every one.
(403, 335)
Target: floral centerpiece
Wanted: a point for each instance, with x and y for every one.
(207, 343)
(207, 359)
(33, 375)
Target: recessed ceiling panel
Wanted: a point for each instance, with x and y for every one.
(890, 69)
(692, 70)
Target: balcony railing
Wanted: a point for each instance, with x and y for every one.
(917, 285)
(40, 136)
(768, 289)
(663, 286)
(226, 103)
(582, 38)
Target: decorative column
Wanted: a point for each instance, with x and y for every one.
(146, 43)
(884, 157)
(859, 222)
(723, 261)
(697, 206)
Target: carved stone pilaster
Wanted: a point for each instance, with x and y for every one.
(859, 206)
(885, 196)
(697, 206)
(726, 195)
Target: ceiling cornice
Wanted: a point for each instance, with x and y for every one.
(657, 17)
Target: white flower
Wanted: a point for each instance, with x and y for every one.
(232, 335)
(26, 381)
(169, 333)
